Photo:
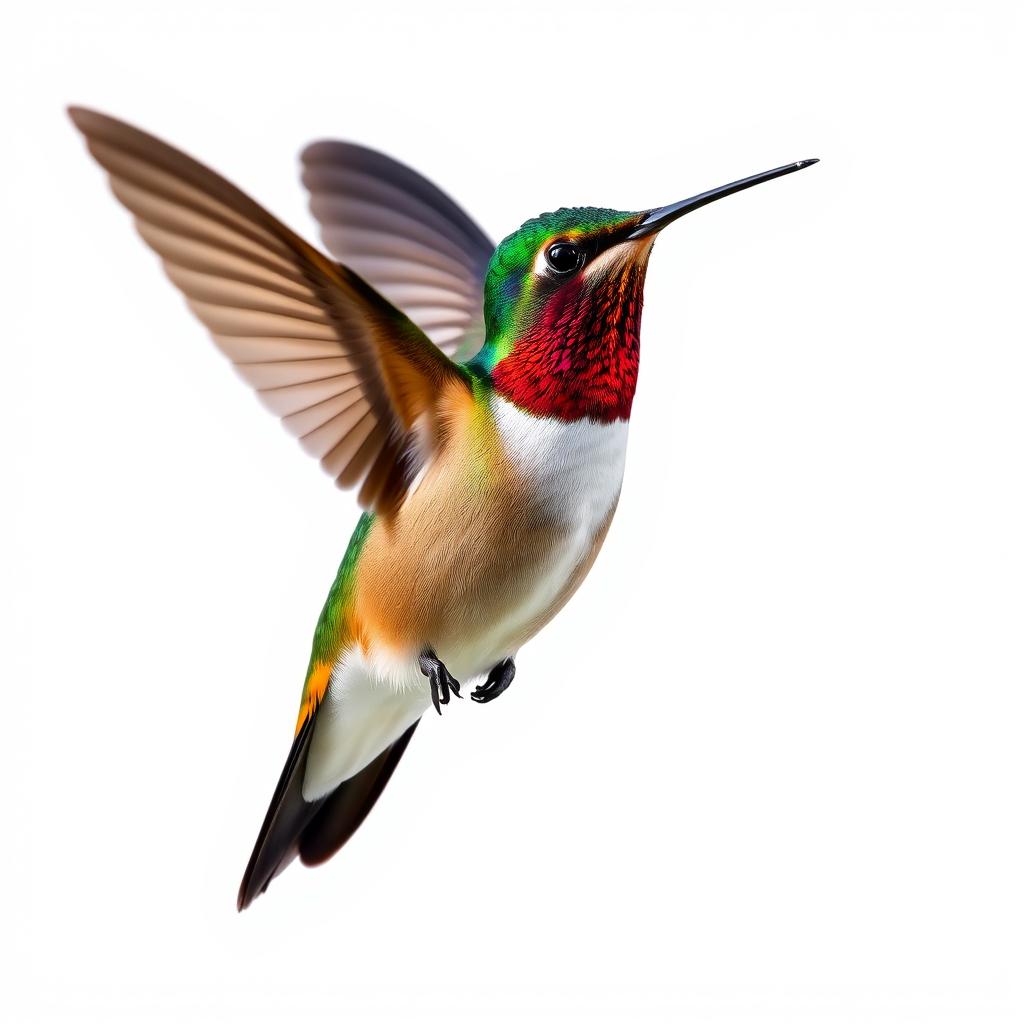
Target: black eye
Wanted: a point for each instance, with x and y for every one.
(564, 257)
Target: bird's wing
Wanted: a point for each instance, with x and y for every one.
(349, 374)
(413, 243)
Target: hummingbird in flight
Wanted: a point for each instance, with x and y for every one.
(479, 398)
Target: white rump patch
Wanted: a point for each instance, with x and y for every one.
(360, 716)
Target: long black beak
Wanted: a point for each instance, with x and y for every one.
(657, 219)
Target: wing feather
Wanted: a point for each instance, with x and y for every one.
(405, 236)
(347, 372)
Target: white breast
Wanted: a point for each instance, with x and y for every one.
(576, 469)
(577, 466)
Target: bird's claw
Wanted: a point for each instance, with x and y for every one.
(498, 681)
(442, 682)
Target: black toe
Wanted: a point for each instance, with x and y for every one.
(499, 679)
(442, 683)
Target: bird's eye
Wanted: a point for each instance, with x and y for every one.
(564, 257)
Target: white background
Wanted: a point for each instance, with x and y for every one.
(768, 764)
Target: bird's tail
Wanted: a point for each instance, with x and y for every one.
(314, 830)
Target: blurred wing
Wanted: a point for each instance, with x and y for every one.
(394, 228)
(351, 376)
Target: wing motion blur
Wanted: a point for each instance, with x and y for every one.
(401, 233)
(349, 374)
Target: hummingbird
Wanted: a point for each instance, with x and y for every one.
(478, 396)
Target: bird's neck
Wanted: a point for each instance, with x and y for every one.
(579, 357)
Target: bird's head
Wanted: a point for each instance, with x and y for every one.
(562, 306)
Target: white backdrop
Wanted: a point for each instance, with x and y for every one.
(767, 766)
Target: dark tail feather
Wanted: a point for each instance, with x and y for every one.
(344, 810)
(288, 814)
(314, 830)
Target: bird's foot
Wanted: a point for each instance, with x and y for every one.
(499, 679)
(442, 682)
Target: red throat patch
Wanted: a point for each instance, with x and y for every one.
(580, 359)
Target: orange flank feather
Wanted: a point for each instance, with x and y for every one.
(412, 582)
(313, 692)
